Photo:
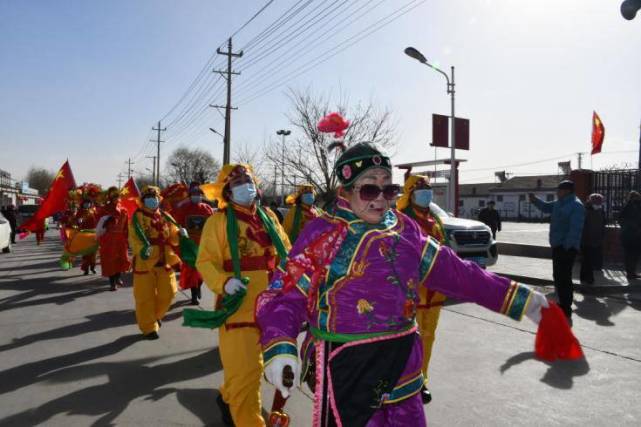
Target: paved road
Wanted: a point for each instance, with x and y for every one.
(71, 356)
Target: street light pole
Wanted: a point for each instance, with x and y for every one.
(452, 184)
(283, 133)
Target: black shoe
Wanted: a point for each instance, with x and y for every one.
(85, 272)
(151, 336)
(194, 301)
(113, 287)
(93, 270)
(426, 395)
(225, 413)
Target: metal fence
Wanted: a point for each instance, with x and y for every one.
(615, 186)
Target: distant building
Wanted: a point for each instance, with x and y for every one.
(510, 197)
(16, 193)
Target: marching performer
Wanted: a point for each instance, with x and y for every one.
(415, 203)
(192, 214)
(238, 253)
(302, 211)
(112, 233)
(85, 220)
(153, 238)
(355, 274)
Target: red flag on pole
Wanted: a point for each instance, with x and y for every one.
(598, 133)
(55, 200)
(129, 197)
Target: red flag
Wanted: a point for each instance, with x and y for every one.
(598, 133)
(55, 199)
(129, 197)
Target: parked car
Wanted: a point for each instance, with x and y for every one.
(5, 235)
(470, 239)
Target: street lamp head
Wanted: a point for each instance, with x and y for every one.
(283, 132)
(629, 8)
(414, 53)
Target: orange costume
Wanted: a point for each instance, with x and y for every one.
(86, 219)
(300, 213)
(113, 233)
(429, 308)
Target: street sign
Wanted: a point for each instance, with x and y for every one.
(440, 133)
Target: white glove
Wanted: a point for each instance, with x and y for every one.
(233, 285)
(274, 372)
(537, 301)
(183, 232)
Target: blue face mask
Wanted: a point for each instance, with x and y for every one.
(151, 203)
(423, 198)
(244, 194)
(307, 199)
(196, 199)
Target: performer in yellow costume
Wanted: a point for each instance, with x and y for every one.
(415, 202)
(251, 246)
(302, 211)
(153, 239)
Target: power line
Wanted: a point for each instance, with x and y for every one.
(330, 53)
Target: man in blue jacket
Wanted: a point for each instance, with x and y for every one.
(566, 227)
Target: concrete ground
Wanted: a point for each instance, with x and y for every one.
(71, 356)
(524, 233)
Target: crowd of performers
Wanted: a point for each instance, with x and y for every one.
(364, 281)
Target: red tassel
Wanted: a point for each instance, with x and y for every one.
(554, 338)
(333, 123)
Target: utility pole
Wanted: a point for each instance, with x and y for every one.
(129, 169)
(153, 172)
(120, 178)
(284, 133)
(227, 75)
(158, 141)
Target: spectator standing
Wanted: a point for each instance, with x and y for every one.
(592, 239)
(566, 227)
(491, 217)
(630, 221)
(11, 215)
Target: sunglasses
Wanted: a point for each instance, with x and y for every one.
(369, 192)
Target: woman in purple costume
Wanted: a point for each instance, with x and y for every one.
(354, 275)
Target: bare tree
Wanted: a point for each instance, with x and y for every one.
(189, 165)
(142, 180)
(40, 179)
(306, 157)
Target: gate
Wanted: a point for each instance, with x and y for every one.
(615, 186)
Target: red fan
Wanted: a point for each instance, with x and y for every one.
(333, 123)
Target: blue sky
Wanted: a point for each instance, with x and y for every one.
(86, 80)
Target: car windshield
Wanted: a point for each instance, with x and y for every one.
(436, 209)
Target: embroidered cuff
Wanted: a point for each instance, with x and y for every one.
(279, 348)
(516, 301)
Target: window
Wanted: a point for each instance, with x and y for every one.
(460, 202)
(481, 203)
(521, 197)
(474, 191)
(499, 198)
(549, 197)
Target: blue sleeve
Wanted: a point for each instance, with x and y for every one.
(577, 220)
(545, 207)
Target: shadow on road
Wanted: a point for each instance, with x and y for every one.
(560, 373)
(127, 381)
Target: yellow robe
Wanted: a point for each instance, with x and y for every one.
(239, 346)
(308, 213)
(154, 278)
(429, 308)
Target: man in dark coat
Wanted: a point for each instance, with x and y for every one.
(592, 238)
(630, 220)
(11, 215)
(491, 217)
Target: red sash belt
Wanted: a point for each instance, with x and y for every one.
(252, 263)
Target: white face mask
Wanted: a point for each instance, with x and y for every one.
(244, 194)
